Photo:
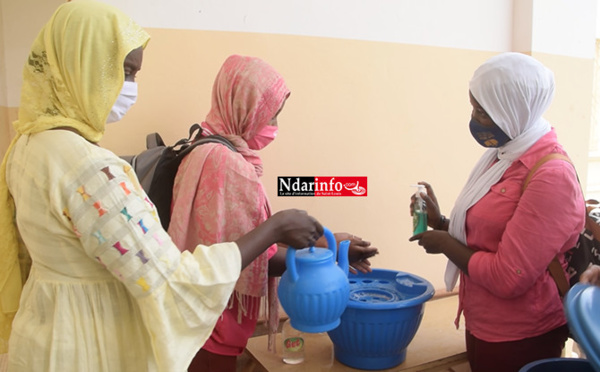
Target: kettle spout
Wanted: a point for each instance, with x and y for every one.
(343, 256)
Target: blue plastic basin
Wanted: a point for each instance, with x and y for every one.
(582, 305)
(559, 365)
(381, 319)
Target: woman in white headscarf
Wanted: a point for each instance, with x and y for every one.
(501, 238)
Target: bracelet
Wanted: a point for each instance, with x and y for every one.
(442, 222)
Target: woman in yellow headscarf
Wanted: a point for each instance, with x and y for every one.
(107, 290)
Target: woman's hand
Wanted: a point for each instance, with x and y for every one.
(296, 228)
(434, 216)
(591, 275)
(358, 252)
(438, 241)
(433, 241)
(291, 227)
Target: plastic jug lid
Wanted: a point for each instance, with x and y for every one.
(582, 306)
(313, 254)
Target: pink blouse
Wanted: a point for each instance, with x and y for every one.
(509, 294)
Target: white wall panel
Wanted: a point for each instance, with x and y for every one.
(466, 24)
(564, 27)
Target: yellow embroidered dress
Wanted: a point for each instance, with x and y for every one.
(108, 290)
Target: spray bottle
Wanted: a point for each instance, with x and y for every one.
(419, 211)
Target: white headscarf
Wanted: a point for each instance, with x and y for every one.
(515, 90)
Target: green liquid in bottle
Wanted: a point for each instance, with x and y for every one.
(419, 211)
(419, 222)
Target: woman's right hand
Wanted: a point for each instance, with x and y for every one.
(296, 228)
(291, 227)
(433, 209)
(591, 275)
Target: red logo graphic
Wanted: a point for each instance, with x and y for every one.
(340, 186)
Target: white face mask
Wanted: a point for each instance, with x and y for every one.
(125, 100)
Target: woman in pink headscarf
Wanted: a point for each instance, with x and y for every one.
(218, 196)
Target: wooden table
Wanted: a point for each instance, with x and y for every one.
(436, 346)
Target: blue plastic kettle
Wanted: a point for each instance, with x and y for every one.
(314, 290)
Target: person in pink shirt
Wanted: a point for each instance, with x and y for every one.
(218, 195)
(500, 239)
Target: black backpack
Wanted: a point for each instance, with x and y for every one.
(587, 249)
(156, 167)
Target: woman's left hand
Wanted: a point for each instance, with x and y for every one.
(591, 275)
(440, 241)
(358, 252)
(432, 240)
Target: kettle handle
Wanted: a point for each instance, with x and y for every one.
(343, 261)
(290, 256)
(290, 264)
(331, 243)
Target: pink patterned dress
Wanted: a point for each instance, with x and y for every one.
(218, 196)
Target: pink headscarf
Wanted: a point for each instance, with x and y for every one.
(217, 195)
(246, 95)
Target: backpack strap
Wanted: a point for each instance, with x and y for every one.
(197, 139)
(215, 138)
(195, 127)
(540, 162)
(558, 274)
(154, 140)
(555, 268)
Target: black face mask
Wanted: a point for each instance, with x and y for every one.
(488, 136)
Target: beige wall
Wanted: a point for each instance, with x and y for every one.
(18, 27)
(395, 113)
(571, 111)
(4, 129)
(7, 116)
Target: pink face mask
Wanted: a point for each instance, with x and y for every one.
(266, 135)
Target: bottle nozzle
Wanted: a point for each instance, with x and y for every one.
(420, 189)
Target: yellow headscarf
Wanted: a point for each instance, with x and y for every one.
(72, 78)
